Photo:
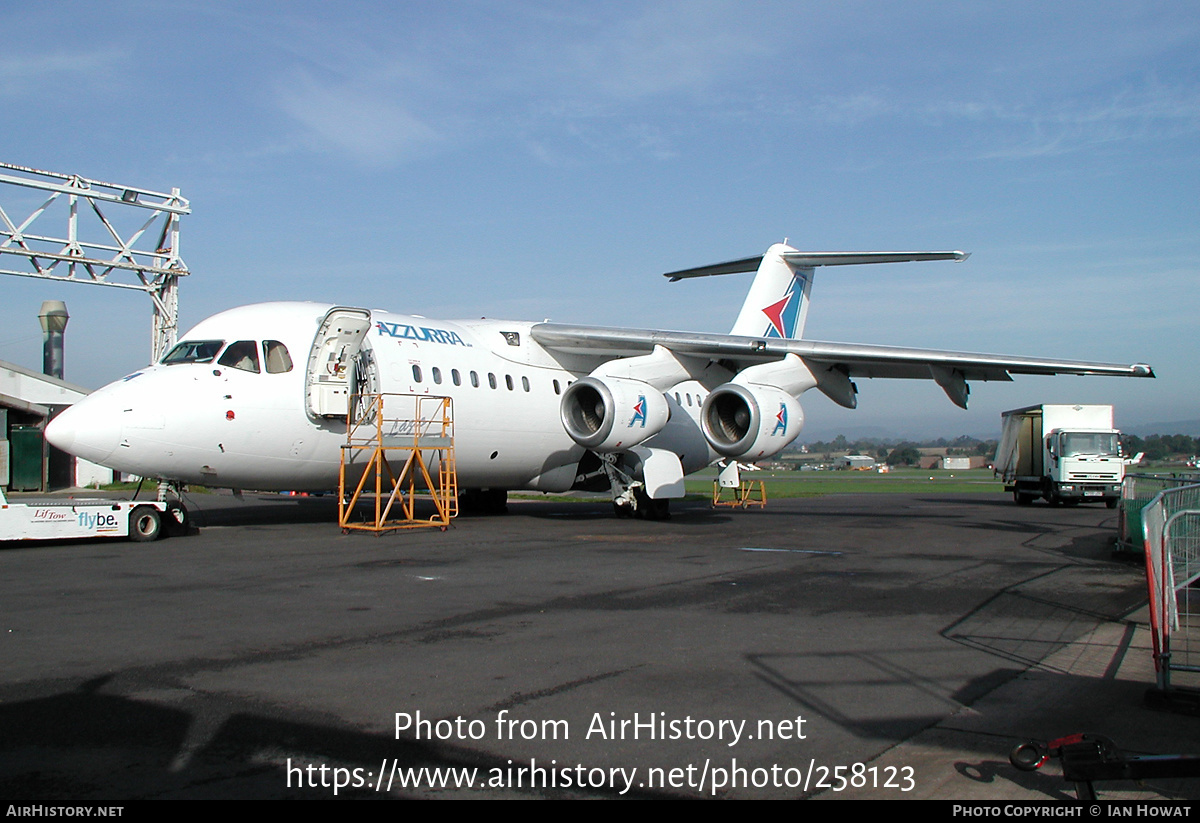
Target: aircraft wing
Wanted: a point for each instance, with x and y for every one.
(858, 359)
(851, 359)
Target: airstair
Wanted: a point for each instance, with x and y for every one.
(399, 450)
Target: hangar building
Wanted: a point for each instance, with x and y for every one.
(28, 400)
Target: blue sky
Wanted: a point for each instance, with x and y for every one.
(551, 159)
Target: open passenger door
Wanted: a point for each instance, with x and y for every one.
(335, 364)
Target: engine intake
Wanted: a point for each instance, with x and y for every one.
(612, 414)
(751, 421)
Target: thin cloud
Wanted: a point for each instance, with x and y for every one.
(1152, 115)
(368, 123)
(29, 72)
(665, 50)
(1032, 128)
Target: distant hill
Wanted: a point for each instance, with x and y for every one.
(920, 430)
(1189, 427)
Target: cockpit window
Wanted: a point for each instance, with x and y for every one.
(278, 359)
(241, 355)
(193, 351)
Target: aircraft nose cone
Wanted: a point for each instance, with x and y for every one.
(61, 430)
(86, 430)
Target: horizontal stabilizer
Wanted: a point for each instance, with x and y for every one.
(811, 259)
(732, 267)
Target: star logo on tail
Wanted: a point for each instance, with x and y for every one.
(782, 314)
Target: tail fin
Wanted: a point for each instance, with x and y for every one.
(777, 303)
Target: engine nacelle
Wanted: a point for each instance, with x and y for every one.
(750, 420)
(612, 414)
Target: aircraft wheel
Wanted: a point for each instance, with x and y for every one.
(145, 524)
(497, 501)
(650, 509)
(177, 518)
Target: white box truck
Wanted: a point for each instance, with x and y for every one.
(1064, 454)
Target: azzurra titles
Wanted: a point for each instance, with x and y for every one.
(422, 333)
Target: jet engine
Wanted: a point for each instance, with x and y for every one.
(612, 414)
(750, 420)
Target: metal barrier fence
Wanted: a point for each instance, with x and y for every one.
(1172, 539)
(1136, 493)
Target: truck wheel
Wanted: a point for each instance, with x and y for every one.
(145, 524)
(1022, 499)
(1111, 502)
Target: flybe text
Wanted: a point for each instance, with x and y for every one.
(425, 333)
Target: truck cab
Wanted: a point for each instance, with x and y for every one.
(1083, 465)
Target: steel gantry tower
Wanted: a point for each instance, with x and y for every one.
(92, 250)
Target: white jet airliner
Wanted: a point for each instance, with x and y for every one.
(257, 397)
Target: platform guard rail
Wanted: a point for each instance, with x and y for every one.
(399, 449)
(1171, 524)
(744, 495)
(1137, 491)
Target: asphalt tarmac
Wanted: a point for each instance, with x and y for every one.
(877, 646)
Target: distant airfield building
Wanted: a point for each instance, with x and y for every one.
(860, 462)
(950, 462)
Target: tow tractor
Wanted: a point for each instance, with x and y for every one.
(56, 519)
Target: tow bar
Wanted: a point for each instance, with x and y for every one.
(1087, 758)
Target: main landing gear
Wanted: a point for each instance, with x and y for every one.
(483, 501)
(630, 498)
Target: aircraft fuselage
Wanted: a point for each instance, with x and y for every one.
(210, 422)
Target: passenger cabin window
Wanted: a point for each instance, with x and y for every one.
(557, 388)
(437, 375)
(241, 355)
(193, 351)
(508, 381)
(474, 380)
(278, 359)
(525, 383)
(456, 377)
(491, 380)
(417, 374)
